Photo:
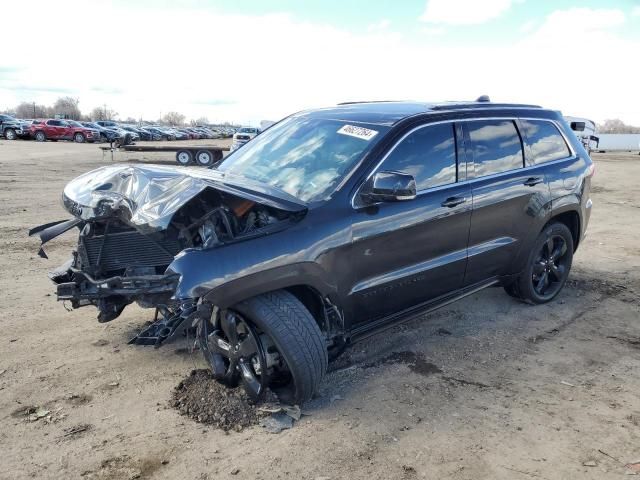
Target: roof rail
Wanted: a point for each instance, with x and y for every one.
(481, 104)
(366, 101)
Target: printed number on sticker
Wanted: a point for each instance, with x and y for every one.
(358, 132)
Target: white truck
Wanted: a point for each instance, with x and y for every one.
(585, 130)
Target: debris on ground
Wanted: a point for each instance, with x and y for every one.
(76, 429)
(590, 463)
(205, 400)
(277, 422)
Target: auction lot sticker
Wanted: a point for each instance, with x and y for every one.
(358, 132)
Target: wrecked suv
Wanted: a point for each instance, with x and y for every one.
(330, 225)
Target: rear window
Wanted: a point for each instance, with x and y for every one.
(495, 145)
(545, 141)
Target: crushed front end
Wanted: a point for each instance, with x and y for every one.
(133, 222)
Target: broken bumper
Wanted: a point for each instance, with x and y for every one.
(81, 289)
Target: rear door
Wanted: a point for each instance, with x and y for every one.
(406, 253)
(510, 198)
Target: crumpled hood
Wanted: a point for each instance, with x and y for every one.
(148, 196)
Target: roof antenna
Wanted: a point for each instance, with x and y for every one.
(483, 98)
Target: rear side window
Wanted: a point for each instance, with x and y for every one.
(495, 145)
(545, 141)
(429, 154)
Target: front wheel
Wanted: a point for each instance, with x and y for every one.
(10, 134)
(547, 268)
(40, 137)
(78, 138)
(269, 340)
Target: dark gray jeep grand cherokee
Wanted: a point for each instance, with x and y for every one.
(327, 226)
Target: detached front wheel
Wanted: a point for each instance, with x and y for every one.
(267, 341)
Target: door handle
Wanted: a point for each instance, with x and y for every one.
(530, 182)
(453, 202)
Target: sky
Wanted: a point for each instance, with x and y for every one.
(251, 60)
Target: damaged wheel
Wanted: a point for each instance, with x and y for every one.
(269, 340)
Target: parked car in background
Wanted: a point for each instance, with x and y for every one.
(12, 128)
(242, 136)
(57, 129)
(104, 134)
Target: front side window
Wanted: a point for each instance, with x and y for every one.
(545, 141)
(429, 154)
(53, 123)
(495, 145)
(304, 156)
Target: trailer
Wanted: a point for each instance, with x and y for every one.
(619, 142)
(201, 155)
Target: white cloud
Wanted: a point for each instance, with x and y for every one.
(378, 26)
(251, 67)
(527, 26)
(433, 31)
(464, 12)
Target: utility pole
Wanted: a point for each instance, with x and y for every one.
(34, 109)
(105, 112)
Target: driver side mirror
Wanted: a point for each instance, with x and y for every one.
(390, 187)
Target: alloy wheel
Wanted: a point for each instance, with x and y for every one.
(234, 351)
(550, 268)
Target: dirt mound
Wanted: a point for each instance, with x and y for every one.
(205, 400)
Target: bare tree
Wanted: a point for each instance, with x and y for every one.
(67, 106)
(615, 125)
(103, 113)
(173, 118)
(200, 121)
(31, 110)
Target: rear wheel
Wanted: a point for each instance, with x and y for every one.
(184, 157)
(547, 268)
(269, 340)
(10, 134)
(204, 158)
(40, 136)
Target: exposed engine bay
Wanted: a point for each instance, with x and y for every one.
(133, 221)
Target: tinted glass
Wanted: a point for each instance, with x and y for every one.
(54, 123)
(429, 154)
(545, 141)
(303, 156)
(495, 145)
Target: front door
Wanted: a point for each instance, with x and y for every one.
(405, 253)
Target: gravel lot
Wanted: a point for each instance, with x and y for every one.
(483, 388)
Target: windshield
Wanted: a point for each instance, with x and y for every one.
(302, 156)
(74, 123)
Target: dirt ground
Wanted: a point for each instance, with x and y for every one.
(486, 388)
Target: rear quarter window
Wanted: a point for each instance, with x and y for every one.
(495, 146)
(545, 141)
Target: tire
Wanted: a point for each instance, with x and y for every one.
(296, 336)
(184, 157)
(103, 138)
(10, 134)
(268, 341)
(204, 158)
(79, 138)
(40, 136)
(547, 268)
